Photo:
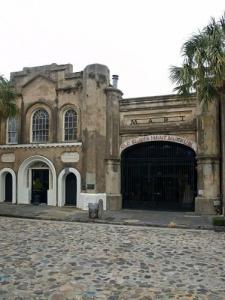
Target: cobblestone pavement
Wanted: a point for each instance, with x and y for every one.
(63, 260)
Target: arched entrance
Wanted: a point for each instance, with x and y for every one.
(8, 187)
(71, 189)
(158, 175)
(37, 176)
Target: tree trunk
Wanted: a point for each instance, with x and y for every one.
(222, 139)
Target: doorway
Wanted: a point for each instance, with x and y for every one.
(71, 189)
(8, 187)
(158, 175)
(40, 186)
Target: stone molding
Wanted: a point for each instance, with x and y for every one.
(47, 145)
(208, 156)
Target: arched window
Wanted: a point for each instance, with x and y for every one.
(12, 135)
(40, 126)
(70, 125)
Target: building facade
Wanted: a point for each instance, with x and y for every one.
(76, 140)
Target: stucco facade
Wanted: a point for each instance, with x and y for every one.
(106, 124)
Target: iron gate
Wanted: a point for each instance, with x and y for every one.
(158, 175)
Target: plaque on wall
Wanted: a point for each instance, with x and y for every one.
(9, 157)
(90, 186)
(69, 157)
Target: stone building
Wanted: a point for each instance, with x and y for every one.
(76, 140)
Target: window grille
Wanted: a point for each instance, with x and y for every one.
(70, 125)
(12, 131)
(40, 126)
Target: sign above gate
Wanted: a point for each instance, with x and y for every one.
(158, 137)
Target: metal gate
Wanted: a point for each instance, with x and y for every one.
(158, 175)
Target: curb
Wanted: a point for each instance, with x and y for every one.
(123, 223)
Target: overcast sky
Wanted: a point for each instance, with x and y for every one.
(138, 40)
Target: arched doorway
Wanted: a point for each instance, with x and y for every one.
(158, 175)
(8, 187)
(71, 189)
(37, 174)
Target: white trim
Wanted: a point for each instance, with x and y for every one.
(47, 145)
(24, 191)
(159, 137)
(2, 184)
(61, 186)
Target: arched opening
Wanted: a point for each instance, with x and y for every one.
(37, 181)
(70, 125)
(71, 189)
(8, 187)
(158, 175)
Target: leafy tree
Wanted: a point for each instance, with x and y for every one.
(8, 97)
(203, 67)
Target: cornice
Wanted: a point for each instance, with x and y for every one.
(38, 146)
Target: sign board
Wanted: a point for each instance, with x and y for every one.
(159, 137)
(69, 157)
(9, 157)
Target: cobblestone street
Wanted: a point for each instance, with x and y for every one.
(60, 260)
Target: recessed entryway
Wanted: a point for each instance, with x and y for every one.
(37, 174)
(71, 189)
(159, 175)
(40, 186)
(8, 187)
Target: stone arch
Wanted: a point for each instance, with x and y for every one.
(160, 175)
(24, 184)
(159, 137)
(62, 110)
(61, 186)
(29, 119)
(3, 173)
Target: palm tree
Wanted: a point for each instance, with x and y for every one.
(8, 97)
(203, 72)
(203, 68)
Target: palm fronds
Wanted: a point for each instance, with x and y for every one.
(8, 97)
(203, 68)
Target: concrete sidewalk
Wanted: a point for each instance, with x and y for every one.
(123, 217)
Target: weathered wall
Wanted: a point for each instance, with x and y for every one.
(208, 158)
(170, 115)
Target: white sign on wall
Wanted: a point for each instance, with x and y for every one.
(159, 137)
(69, 157)
(9, 157)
